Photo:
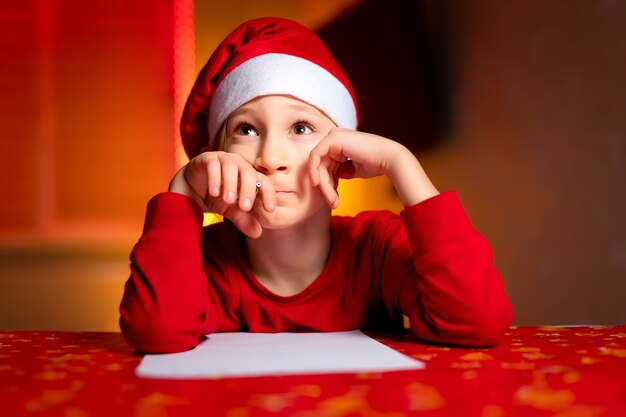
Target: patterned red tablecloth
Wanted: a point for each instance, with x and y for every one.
(535, 371)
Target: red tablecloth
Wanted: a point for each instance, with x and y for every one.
(535, 371)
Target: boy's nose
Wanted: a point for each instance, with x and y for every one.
(273, 156)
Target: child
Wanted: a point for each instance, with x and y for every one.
(269, 128)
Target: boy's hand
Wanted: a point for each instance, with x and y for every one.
(224, 183)
(347, 154)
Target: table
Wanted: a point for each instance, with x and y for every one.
(535, 371)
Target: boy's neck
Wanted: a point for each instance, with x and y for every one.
(286, 261)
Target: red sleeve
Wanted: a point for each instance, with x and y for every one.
(456, 295)
(168, 304)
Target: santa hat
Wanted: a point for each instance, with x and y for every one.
(262, 57)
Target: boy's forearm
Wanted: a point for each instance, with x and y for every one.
(458, 297)
(166, 307)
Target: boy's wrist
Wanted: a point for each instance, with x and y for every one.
(179, 185)
(409, 178)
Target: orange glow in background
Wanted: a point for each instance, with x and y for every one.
(184, 68)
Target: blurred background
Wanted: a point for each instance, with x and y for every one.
(519, 106)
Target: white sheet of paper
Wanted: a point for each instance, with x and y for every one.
(259, 354)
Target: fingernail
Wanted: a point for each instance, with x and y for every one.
(230, 196)
(215, 191)
(246, 203)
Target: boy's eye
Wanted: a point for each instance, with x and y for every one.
(302, 129)
(245, 130)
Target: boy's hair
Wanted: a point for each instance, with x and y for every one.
(221, 137)
(262, 57)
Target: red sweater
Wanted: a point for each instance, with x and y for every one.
(428, 263)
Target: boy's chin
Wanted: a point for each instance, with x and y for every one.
(280, 218)
(284, 217)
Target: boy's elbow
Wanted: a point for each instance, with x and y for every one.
(487, 335)
(485, 330)
(478, 329)
(157, 336)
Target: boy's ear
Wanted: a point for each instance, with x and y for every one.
(346, 171)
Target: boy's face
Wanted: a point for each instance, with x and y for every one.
(276, 134)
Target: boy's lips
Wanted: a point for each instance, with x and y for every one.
(283, 188)
(283, 196)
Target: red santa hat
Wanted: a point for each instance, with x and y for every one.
(262, 57)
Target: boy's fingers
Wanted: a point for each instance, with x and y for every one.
(317, 158)
(217, 205)
(245, 221)
(230, 178)
(314, 166)
(214, 172)
(267, 192)
(247, 189)
(327, 187)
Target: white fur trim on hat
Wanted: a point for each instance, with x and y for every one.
(282, 74)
